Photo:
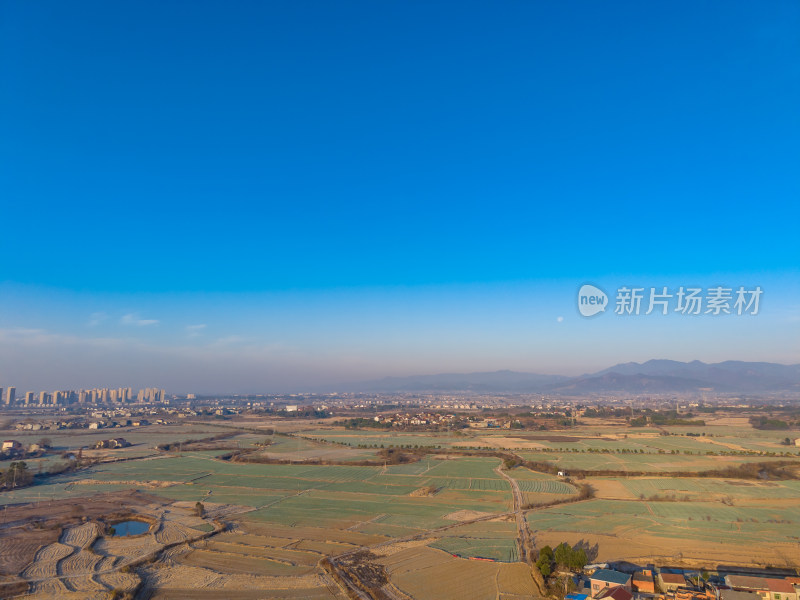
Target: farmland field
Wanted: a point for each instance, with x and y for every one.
(487, 539)
(653, 462)
(691, 529)
(298, 448)
(285, 517)
(431, 573)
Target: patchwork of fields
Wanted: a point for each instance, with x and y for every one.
(291, 515)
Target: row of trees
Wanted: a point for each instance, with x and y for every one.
(16, 475)
(564, 556)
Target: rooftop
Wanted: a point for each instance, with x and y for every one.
(780, 585)
(736, 595)
(747, 581)
(610, 576)
(616, 593)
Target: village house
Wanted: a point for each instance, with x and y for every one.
(11, 445)
(729, 594)
(765, 587)
(603, 579)
(643, 583)
(749, 583)
(615, 593)
(780, 589)
(112, 443)
(670, 582)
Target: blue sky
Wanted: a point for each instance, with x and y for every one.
(272, 194)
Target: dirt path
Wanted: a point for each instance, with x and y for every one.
(523, 533)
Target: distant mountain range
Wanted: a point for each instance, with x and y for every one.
(653, 376)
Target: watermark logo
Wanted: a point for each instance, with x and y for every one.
(591, 300)
(684, 300)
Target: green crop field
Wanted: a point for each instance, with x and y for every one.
(331, 496)
(297, 448)
(546, 486)
(466, 467)
(502, 549)
(463, 483)
(533, 483)
(380, 437)
(689, 520)
(708, 488)
(522, 473)
(343, 509)
(639, 462)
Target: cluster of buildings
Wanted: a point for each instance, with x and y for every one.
(15, 448)
(674, 584)
(113, 443)
(414, 420)
(99, 421)
(423, 419)
(62, 398)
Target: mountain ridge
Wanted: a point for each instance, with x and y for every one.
(655, 376)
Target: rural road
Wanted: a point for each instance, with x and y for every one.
(523, 533)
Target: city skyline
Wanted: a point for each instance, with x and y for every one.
(82, 397)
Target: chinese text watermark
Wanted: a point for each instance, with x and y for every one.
(684, 300)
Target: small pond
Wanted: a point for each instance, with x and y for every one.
(126, 528)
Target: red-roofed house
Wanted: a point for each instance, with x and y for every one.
(642, 582)
(780, 589)
(615, 593)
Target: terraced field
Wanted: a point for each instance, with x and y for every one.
(243, 565)
(85, 563)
